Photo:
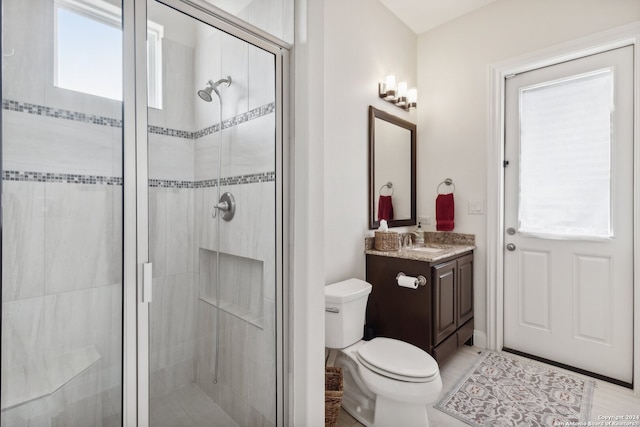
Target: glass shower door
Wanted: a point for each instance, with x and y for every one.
(213, 209)
(62, 215)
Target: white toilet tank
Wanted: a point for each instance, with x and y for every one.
(345, 307)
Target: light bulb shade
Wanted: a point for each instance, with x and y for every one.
(390, 87)
(401, 98)
(412, 95)
(402, 89)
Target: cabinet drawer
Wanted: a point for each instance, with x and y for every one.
(445, 348)
(465, 332)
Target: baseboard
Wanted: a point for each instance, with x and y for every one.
(479, 338)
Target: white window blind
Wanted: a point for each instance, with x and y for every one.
(565, 157)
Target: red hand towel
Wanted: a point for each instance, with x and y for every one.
(444, 212)
(385, 208)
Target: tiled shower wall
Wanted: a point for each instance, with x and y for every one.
(62, 191)
(62, 238)
(183, 233)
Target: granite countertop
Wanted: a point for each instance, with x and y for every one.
(448, 243)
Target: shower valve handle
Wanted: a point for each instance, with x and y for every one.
(226, 205)
(223, 206)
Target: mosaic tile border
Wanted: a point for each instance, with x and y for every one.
(224, 181)
(59, 113)
(41, 110)
(64, 178)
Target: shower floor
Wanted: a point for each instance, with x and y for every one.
(187, 407)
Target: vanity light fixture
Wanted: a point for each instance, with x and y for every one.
(398, 94)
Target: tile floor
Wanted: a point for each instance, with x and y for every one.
(608, 399)
(188, 406)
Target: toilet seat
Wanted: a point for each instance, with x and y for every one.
(398, 360)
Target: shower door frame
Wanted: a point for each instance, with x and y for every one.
(136, 215)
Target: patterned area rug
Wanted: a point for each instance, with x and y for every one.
(502, 390)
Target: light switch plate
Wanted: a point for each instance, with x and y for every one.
(476, 207)
(424, 220)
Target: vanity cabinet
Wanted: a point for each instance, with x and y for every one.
(437, 317)
(452, 283)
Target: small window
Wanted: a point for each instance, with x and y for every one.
(565, 157)
(88, 50)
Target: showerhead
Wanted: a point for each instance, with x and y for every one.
(205, 93)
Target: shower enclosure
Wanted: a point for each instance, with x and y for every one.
(130, 295)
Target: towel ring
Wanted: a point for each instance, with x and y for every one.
(447, 181)
(388, 185)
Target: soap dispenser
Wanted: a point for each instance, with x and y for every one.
(419, 233)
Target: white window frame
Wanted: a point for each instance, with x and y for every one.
(111, 15)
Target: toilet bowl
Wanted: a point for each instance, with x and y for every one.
(386, 381)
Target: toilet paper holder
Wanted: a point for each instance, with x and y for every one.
(420, 280)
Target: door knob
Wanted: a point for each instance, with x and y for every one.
(511, 231)
(511, 247)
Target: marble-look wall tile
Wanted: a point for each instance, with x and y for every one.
(262, 77)
(262, 364)
(235, 59)
(171, 230)
(170, 158)
(207, 64)
(83, 245)
(234, 404)
(78, 319)
(157, 231)
(172, 320)
(206, 228)
(23, 240)
(206, 157)
(36, 413)
(256, 225)
(241, 284)
(23, 331)
(251, 145)
(205, 345)
(49, 144)
(22, 72)
(178, 86)
(172, 333)
(170, 378)
(179, 231)
(247, 363)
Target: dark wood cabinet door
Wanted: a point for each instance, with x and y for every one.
(444, 279)
(396, 312)
(465, 289)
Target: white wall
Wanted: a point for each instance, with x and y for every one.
(364, 42)
(306, 297)
(453, 62)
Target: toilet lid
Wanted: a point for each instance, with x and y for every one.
(398, 359)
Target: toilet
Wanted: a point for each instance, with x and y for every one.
(387, 382)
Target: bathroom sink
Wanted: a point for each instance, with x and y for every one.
(427, 250)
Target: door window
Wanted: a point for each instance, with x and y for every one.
(565, 155)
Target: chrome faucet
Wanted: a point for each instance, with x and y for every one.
(419, 234)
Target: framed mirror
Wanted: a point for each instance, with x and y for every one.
(392, 170)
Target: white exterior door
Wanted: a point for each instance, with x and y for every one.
(568, 256)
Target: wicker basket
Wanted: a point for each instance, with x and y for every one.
(386, 240)
(332, 395)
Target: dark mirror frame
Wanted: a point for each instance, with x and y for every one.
(374, 114)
